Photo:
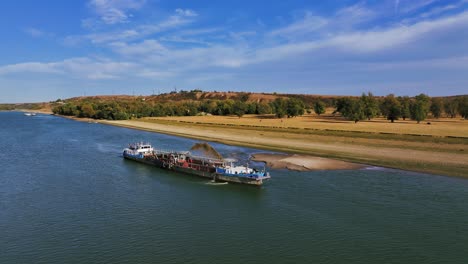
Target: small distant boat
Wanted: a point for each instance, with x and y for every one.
(219, 170)
(29, 114)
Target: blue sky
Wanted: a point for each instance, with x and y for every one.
(60, 49)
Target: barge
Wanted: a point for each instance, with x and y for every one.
(216, 169)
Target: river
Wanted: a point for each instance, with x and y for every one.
(68, 196)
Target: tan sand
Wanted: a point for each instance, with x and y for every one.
(303, 162)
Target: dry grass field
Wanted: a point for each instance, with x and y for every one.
(443, 127)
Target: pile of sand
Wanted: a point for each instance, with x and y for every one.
(303, 162)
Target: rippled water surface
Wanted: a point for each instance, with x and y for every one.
(67, 196)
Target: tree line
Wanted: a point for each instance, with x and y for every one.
(356, 109)
(393, 108)
(121, 110)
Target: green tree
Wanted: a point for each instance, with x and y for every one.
(319, 107)
(370, 104)
(391, 108)
(143, 109)
(463, 106)
(120, 115)
(294, 107)
(437, 106)
(343, 105)
(239, 108)
(279, 107)
(243, 97)
(87, 110)
(351, 109)
(357, 111)
(210, 106)
(263, 108)
(157, 110)
(420, 107)
(251, 108)
(451, 107)
(405, 107)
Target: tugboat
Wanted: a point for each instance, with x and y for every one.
(217, 169)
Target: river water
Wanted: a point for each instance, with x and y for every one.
(67, 196)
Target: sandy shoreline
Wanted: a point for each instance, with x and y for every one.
(303, 162)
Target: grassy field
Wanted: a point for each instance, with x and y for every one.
(443, 127)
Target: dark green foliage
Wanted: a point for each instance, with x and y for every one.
(87, 110)
(243, 97)
(405, 107)
(420, 107)
(181, 104)
(357, 111)
(463, 106)
(5, 107)
(263, 108)
(280, 107)
(437, 106)
(295, 107)
(68, 109)
(251, 108)
(239, 108)
(120, 116)
(319, 107)
(451, 107)
(288, 106)
(370, 104)
(391, 108)
(351, 108)
(343, 105)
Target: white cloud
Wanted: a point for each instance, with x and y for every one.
(148, 47)
(409, 6)
(151, 58)
(36, 67)
(113, 36)
(34, 32)
(186, 12)
(74, 68)
(115, 11)
(442, 9)
(309, 23)
(452, 63)
(368, 41)
(134, 33)
(344, 42)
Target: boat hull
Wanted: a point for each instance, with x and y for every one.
(187, 170)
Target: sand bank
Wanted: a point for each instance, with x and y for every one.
(303, 162)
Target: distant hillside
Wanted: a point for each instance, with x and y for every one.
(197, 95)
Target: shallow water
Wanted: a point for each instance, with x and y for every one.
(67, 196)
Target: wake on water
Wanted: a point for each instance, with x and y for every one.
(216, 183)
(108, 148)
